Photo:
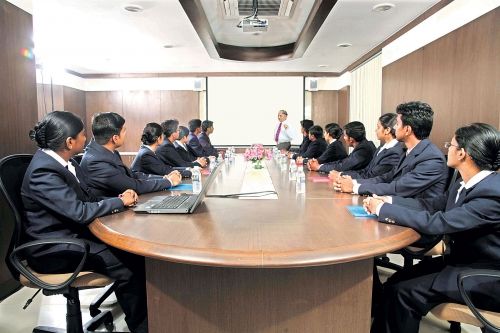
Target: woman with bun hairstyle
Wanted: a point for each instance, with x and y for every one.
(468, 214)
(59, 204)
(146, 160)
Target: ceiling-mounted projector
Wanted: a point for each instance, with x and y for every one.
(253, 24)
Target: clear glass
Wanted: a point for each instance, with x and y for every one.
(196, 179)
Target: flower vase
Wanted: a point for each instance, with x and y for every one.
(257, 164)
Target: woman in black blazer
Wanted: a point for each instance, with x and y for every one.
(58, 203)
(146, 160)
(468, 214)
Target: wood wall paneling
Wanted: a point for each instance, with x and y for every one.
(44, 98)
(182, 105)
(324, 107)
(343, 108)
(139, 108)
(18, 80)
(456, 74)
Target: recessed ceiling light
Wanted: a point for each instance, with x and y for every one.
(133, 8)
(383, 7)
(168, 46)
(322, 66)
(344, 45)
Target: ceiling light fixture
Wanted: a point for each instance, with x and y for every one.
(322, 66)
(168, 46)
(344, 45)
(133, 8)
(383, 7)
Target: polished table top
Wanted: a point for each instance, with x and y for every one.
(296, 230)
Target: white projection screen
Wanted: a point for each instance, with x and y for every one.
(245, 109)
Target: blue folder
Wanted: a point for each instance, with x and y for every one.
(182, 187)
(359, 211)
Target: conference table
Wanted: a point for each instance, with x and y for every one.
(288, 263)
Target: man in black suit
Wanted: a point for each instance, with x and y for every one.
(386, 156)
(316, 147)
(360, 157)
(207, 128)
(167, 152)
(335, 150)
(108, 176)
(420, 172)
(183, 148)
(470, 216)
(193, 141)
(304, 129)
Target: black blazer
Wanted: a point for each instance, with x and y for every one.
(146, 161)
(188, 155)
(358, 159)
(57, 204)
(314, 149)
(334, 152)
(302, 148)
(472, 225)
(381, 163)
(423, 173)
(194, 143)
(108, 176)
(169, 155)
(208, 149)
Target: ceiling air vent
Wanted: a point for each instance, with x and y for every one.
(268, 8)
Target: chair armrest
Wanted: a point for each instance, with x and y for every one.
(474, 273)
(437, 247)
(16, 260)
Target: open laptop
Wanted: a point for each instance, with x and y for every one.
(177, 204)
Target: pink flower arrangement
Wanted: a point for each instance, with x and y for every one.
(257, 153)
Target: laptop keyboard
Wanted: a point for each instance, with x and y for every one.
(171, 202)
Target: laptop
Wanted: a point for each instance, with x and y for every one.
(184, 203)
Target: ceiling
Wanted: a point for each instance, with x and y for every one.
(95, 36)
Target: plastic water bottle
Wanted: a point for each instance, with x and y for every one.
(219, 158)
(196, 179)
(283, 162)
(293, 170)
(300, 186)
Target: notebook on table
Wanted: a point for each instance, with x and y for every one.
(184, 203)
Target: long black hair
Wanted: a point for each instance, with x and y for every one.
(53, 130)
(482, 143)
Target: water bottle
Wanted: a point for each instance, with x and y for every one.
(196, 179)
(300, 186)
(219, 158)
(283, 162)
(293, 170)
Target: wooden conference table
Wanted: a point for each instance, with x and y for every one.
(300, 263)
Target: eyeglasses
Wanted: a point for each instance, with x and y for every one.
(449, 144)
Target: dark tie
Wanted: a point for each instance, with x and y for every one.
(276, 137)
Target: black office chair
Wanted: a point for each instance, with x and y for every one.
(489, 321)
(12, 170)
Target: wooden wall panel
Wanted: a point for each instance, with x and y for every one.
(18, 107)
(44, 98)
(139, 108)
(74, 101)
(343, 108)
(324, 107)
(456, 74)
(182, 105)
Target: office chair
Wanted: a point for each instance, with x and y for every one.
(12, 170)
(489, 321)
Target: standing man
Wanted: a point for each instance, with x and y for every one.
(207, 128)
(283, 134)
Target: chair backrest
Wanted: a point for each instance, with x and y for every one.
(12, 170)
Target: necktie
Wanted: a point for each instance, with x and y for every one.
(276, 137)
